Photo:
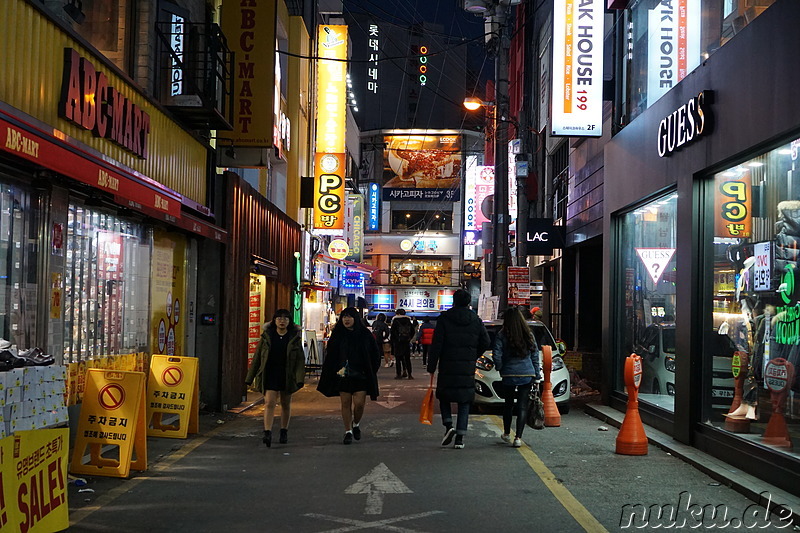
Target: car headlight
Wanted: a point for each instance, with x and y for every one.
(669, 364)
(557, 364)
(484, 363)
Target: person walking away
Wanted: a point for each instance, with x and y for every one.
(458, 339)
(415, 340)
(401, 332)
(380, 330)
(350, 369)
(425, 338)
(516, 357)
(278, 370)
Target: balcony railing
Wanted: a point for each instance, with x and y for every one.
(197, 74)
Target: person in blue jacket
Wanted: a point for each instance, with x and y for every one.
(516, 356)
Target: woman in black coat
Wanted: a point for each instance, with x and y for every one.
(350, 369)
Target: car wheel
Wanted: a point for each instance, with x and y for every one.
(563, 408)
(656, 387)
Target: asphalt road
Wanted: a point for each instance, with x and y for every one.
(398, 478)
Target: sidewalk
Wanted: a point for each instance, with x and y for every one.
(746, 484)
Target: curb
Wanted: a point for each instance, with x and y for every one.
(749, 486)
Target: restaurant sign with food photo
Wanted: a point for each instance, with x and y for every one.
(422, 167)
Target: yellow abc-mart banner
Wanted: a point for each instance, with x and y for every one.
(33, 481)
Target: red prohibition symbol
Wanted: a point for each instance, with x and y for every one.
(172, 376)
(111, 397)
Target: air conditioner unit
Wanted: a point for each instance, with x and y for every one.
(475, 6)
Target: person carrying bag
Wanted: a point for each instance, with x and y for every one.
(426, 411)
(516, 356)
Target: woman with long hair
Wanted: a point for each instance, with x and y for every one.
(516, 356)
(278, 370)
(350, 369)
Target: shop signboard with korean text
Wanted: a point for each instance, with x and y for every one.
(33, 481)
(329, 159)
(733, 216)
(422, 167)
(425, 299)
(577, 87)
(111, 427)
(519, 286)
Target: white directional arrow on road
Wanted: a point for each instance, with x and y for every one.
(390, 403)
(379, 481)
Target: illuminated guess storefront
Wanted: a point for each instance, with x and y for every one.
(702, 208)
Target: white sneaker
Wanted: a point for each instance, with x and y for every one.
(4, 344)
(506, 437)
(517, 443)
(386, 365)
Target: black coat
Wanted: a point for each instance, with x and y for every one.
(371, 359)
(458, 340)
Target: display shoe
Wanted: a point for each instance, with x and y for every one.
(739, 412)
(35, 357)
(5, 344)
(9, 356)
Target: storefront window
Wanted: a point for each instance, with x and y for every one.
(19, 226)
(667, 39)
(106, 280)
(422, 220)
(421, 271)
(752, 346)
(646, 308)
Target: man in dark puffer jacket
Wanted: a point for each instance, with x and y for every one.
(458, 340)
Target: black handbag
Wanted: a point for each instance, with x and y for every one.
(535, 418)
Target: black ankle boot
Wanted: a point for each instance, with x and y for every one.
(284, 438)
(267, 438)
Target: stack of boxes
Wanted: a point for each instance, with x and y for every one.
(32, 397)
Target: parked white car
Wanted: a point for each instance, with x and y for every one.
(488, 383)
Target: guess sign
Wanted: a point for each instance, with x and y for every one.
(88, 101)
(776, 376)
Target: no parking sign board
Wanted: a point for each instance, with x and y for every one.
(172, 389)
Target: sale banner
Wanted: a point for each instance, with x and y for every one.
(33, 481)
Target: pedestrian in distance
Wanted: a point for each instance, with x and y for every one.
(380, 330)
(402, 333)
(350, 369)
(516, 356)
(278, 370)
(458, 339)
(425, 336)
(415, 349)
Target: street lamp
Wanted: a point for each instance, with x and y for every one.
(473, 103)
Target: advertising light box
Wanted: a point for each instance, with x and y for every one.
(577, 89)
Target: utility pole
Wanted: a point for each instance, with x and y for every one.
(500, 217)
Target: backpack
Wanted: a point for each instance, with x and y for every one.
(404, 331)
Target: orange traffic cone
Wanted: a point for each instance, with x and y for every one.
(779, 376)
(552, 418)
(632, 439)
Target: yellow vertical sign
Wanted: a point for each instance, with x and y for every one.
(33, 481)
(112, 416)
(329, 160)
(172, 390)
(168, 287)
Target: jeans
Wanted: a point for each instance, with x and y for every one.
(521, 394)
(463, 416)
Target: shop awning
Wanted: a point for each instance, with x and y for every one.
(344, 263)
